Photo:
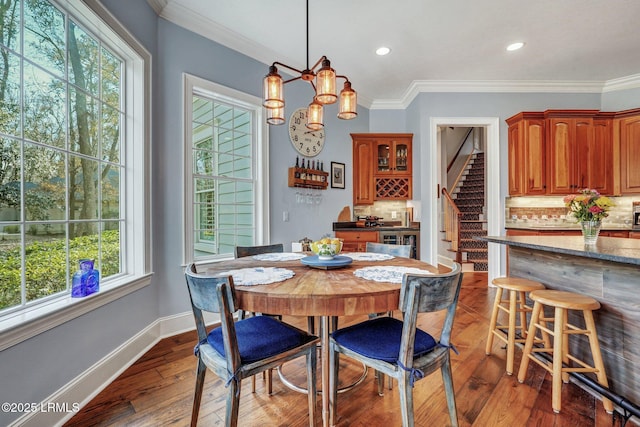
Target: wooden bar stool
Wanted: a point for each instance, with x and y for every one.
(563, 301)
(515, 304)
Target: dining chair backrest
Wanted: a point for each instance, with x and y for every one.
(214, 295)
(403, 251)
(422, 293)
(243, 251)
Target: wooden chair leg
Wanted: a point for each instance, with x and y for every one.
(531, 334)
(406, 399)
(511, 333)
(333, 385)
(197, 395)
(494, 320)
(447, 379)
(558, 345)
(233, 404)
(523, 314)
(565, 347)
(598, 363)
(380, 379)
(269, 375)
(312, 361)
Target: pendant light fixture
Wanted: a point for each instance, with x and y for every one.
(324, 90)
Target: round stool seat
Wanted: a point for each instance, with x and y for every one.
(517, 284)
(563, 299)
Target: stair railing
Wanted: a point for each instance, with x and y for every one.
(464, 168)
(452, 218)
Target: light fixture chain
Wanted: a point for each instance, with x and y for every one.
(307, 34)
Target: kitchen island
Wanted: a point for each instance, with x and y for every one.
(608, 272)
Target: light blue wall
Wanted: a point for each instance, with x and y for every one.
(36, 368)
(389, 121)
(621, 100)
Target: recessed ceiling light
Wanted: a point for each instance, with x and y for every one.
(515, 46)
(382, 51)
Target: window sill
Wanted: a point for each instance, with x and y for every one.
(29, 323)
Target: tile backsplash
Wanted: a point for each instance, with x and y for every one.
(550, 210)
(383, 209)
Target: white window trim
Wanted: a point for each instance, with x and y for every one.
(27, 323)
(191, 85)
(195, 84)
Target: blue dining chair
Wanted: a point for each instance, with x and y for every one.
(239, 349)
(243, 251)
(403, 251)
(398, 348)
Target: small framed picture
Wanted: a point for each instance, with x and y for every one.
(337, 175)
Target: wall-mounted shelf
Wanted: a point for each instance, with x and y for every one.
(308, 178)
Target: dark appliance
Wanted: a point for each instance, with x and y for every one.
(636, 215)
(371, 221)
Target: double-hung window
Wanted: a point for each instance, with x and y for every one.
(73, 147)
(225, 163)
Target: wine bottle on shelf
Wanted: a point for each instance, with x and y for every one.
(297, 172)
(303, 172)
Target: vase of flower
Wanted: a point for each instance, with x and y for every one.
(590, 231)
(589, 208)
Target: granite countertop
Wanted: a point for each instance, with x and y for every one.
(625, 251)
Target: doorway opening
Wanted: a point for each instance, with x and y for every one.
(489, 126)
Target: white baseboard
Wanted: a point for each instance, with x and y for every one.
(87, 385)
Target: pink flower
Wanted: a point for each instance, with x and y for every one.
(568, 199)
(595, 209)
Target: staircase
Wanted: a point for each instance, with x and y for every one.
(469, 198)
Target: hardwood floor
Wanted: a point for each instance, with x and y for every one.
(158, 389)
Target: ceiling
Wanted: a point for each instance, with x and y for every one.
(570, 45)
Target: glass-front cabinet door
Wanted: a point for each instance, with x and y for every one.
(384, 156)
(401, 155)
(393, 156)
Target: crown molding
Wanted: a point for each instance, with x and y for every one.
(196, 23)
(158, 5)
(495, 86)
(623, 83)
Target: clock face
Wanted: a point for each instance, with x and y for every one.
(307, 142)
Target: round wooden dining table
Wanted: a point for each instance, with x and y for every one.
(319, 292)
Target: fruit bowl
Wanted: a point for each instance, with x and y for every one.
(326, 248)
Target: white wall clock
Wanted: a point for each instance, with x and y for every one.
(307, 142)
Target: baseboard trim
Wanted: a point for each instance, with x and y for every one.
(77, 393)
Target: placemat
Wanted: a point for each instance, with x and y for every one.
(368, 256)
(279, 256)
(258, 275)
(387, 273)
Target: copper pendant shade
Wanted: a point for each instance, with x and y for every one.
(323, 82)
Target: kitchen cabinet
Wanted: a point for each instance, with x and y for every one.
(382, 167)
(363, 184)
(559, 152)
(527, 154)
(629, 137)
(570, 151)
(600, 162)
(356, 241)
